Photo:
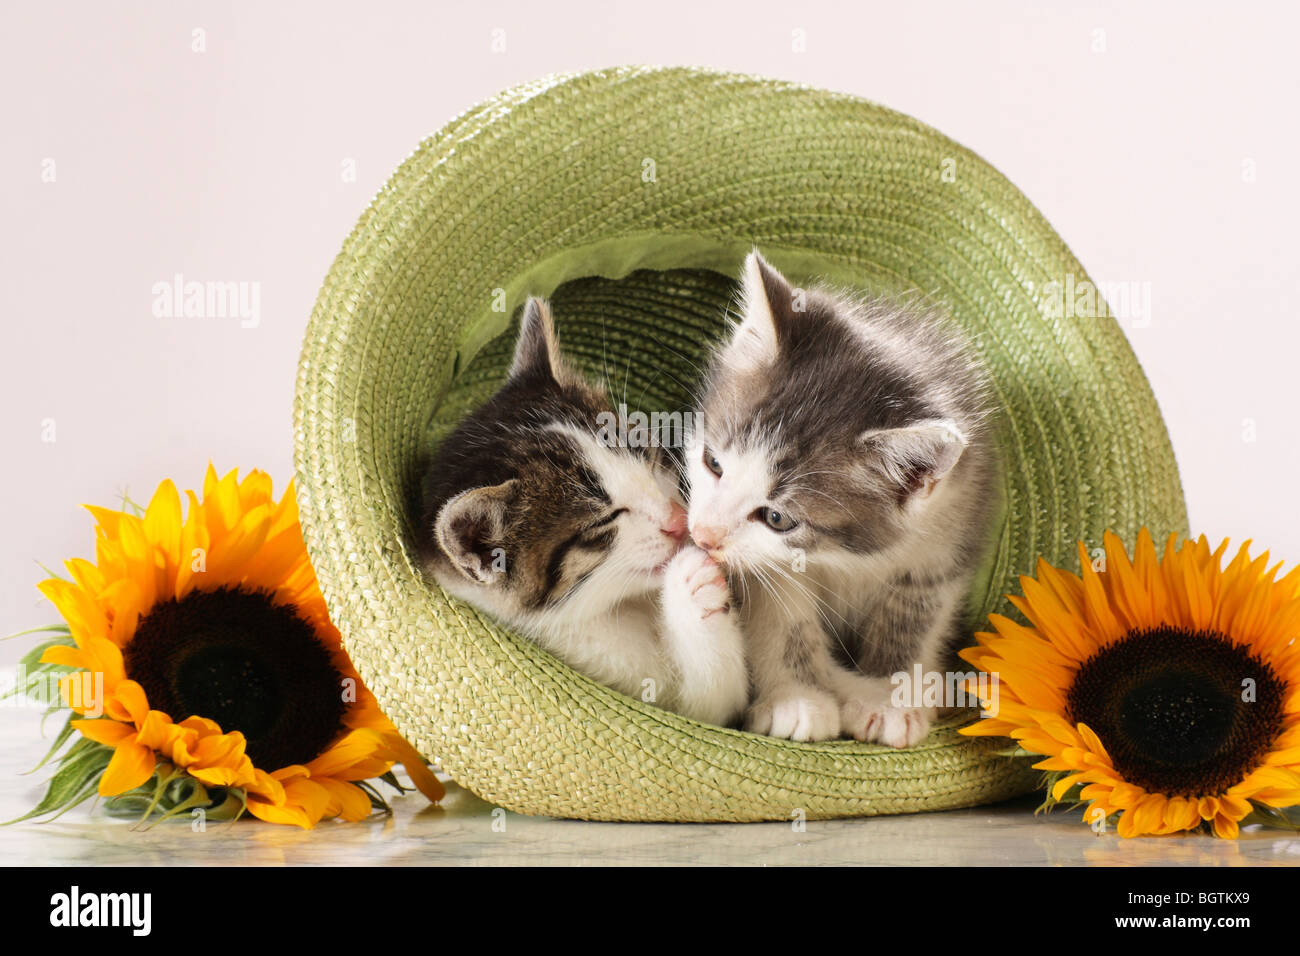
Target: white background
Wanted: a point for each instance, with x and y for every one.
(1135, 131)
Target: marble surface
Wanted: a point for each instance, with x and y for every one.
(467, 831)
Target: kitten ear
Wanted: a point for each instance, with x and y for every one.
(470, 528)
(538, 351)
(768, 304)
(915, 458)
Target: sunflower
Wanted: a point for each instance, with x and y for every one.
(215, 617)
(1166, 690)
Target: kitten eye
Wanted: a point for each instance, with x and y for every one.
(608, 519)
(711, 462)
(776, 520)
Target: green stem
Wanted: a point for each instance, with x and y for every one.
(163, 782)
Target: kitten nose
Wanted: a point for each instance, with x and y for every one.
(709, 537)
(675, 526)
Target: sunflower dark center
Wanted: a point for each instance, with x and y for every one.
(251, 665)
(1184, 713)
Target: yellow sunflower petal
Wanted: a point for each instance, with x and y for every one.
(218, 776)
(255, 490)
(354, 746)
(79, 609)
(1057, 763)
(202, 725)
(1225, 827)
(131, 696)
(1096, 793)
(1180, 813)
(279, 813)
(1208, 807)
(346, 799)
(106, 518)
(101, 731)
(1092, 741)
(162, 521)
(1234, 806)
(64, 656)
(1062, 786)
(1280, 778)
(220, 749)
(1149, 814)
(1122, 583)
(104, 657)
(312, 798)
(157, 730)
(1127, 826)
(131, 765)
(1100, 614)
(265, 787)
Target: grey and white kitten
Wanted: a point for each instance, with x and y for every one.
(842, 471)
(581, 546)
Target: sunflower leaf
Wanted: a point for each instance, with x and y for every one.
(164, 774)
(1271, 817)
(47, 629)
(130, 505)
(65, 732)
(31, 670)
(37, 688)
(377, 801)
(232, 805)
(53, 574)
(140, 802)
(79, 772)
(1016, 751)
(1071, 798)
(390, 778)
(129, 804)
(197, 798)
(33, 657)
(79, 746)
(49, 711)
(89, 790)
(178, 794)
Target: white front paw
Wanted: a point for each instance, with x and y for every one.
(703, 640)
(879, 721)
(801, 713)
(695, 580)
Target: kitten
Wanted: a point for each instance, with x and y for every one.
(842, 471)
(578, 545)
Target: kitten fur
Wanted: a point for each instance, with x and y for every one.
(579, 545)
(862, 426)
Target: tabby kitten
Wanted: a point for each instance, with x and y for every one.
(842, 471)
(579, 545)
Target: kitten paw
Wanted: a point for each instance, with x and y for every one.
(696, 580)
(881, 722)
(803, 714)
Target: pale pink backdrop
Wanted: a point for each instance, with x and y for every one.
(1161, 142)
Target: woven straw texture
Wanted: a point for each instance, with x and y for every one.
(630, 196)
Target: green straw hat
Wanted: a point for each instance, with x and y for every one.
(630, 197)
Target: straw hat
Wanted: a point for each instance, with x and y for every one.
(630, 197)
